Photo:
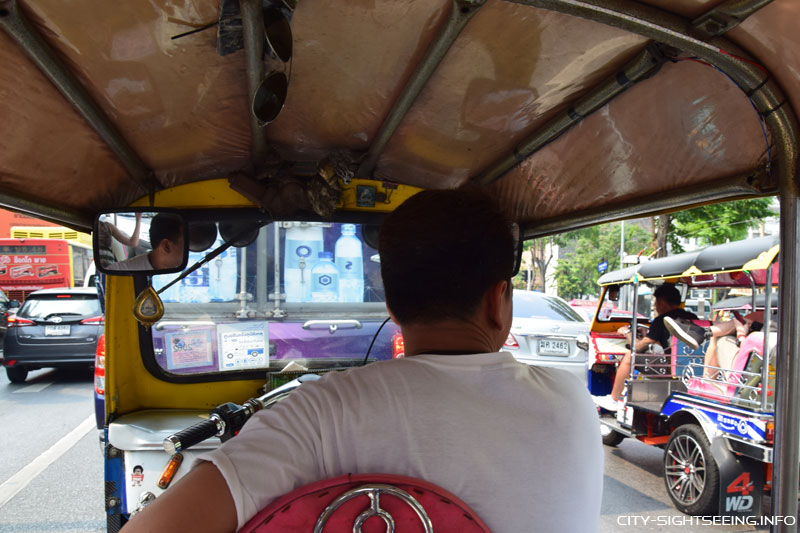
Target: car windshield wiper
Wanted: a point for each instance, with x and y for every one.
(61, 314)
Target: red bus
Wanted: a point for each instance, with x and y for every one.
(28, 265)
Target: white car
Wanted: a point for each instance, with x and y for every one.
(546, 331)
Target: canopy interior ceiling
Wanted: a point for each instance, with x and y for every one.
(516, 102)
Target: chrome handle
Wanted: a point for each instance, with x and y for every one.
(332, 325)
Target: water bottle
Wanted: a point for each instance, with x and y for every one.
(325, 279)
(304, 242)
(351, 265)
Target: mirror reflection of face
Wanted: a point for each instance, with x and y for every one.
(122, 241)
(613, 293)
(172, 252)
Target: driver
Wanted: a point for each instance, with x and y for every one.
(519, 444)
(667, 304)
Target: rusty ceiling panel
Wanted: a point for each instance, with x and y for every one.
(181, 107)
(47, 147)
(662, 134)
(510, 73)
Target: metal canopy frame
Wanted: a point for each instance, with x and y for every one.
(14, 22)
(782, 123)
(460, 13)
(643, 66)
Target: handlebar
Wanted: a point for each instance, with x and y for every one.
(192, 435)
(226, 420)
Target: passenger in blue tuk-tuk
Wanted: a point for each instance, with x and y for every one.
(667, 304)
(519, 444)
(724, 337)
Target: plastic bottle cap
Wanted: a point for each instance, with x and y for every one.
(325, 255)
(348, 229)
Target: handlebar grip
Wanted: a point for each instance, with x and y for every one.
(186, 438)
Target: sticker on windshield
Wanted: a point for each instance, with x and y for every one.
(243, 345)
(188, 349)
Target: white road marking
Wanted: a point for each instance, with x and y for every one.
(21, 479)
(36, 387)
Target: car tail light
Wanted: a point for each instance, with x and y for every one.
(94, 320)
(100, 366)
(398, 346)
(770, 433)
(511, 342)
(16, 322)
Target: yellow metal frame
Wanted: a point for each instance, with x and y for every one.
(129, 385)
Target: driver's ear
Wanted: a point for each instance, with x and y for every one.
(495, 304)
(394, 319)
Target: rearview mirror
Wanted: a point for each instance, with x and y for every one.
(140, 242)
(612, 293)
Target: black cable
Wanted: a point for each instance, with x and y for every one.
(374, 338)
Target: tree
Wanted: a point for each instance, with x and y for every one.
(582, 250)
(717, 223)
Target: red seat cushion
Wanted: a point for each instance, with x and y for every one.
(300, 509)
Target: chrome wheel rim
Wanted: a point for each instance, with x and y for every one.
(685, 467)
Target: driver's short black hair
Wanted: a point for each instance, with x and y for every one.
(669, 293)
(440, 251)
(165, 226)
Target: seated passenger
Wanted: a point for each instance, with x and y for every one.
(720, 337)
(518, 444)
(667, 304)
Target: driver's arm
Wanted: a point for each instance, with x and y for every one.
(641, 344)
(200, 501)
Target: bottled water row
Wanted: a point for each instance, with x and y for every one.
(314, 275)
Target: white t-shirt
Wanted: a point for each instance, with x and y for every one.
(519, 444)
(139, 262)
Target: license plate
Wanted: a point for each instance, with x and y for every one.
(548, 347)
(56, 330)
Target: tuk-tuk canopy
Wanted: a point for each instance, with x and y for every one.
(750, 254)
(571, 113)
(744, 302)
(667, 267)
(623, 275)
(741, 263)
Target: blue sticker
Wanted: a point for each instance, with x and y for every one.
(365, 196)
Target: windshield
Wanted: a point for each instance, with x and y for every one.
(60, 305)
(535, 305)
(622, 309)
(301, 295)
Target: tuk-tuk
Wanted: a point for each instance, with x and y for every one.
(251, 122)
(715, 421)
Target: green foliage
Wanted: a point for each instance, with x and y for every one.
(582, 250)
(718, 223)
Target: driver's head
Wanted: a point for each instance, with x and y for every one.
(441, 251)
(667, 297)
(166, 238)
